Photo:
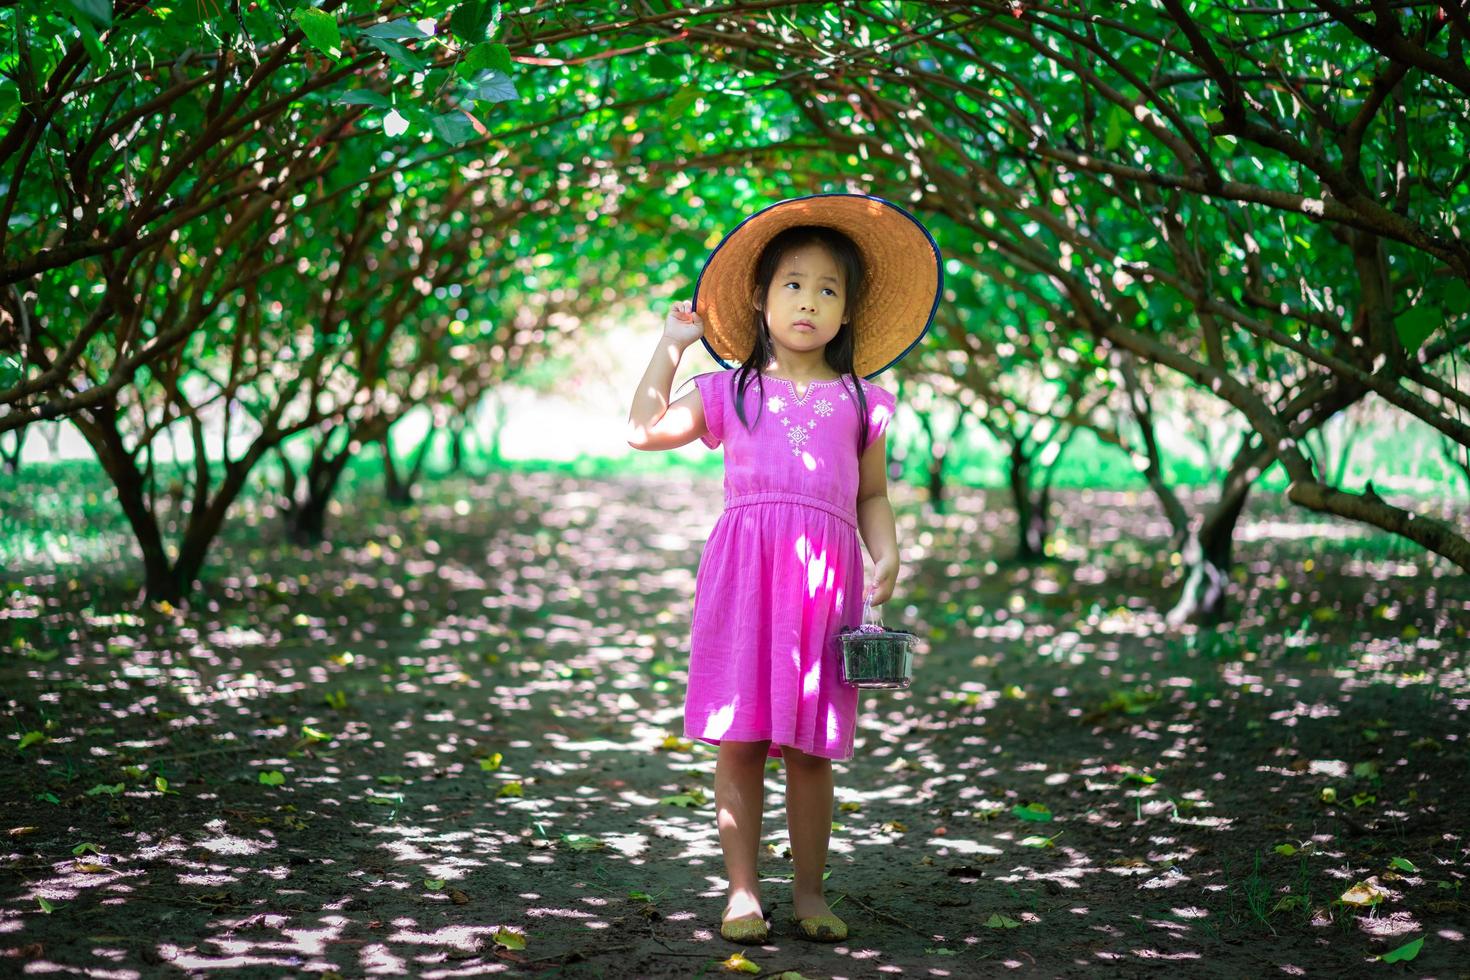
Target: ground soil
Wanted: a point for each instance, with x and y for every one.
(495, 674)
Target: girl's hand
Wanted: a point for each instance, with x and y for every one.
(885, 577)
(683, 325)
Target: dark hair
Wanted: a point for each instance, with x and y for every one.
(839, 350)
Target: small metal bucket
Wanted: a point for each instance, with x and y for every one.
(874, 657)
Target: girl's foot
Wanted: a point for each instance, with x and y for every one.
(816, 922)
(743, 921)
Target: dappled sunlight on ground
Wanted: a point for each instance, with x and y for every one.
(446, 745)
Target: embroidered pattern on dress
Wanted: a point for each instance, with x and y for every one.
(823, 408)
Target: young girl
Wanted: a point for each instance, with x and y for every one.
(809, 297)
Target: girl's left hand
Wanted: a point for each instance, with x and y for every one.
(885, 577)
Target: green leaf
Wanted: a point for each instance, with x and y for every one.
(998, 921)
(272, 778)
(320, 29)
(1286, 850)
(403, 28)
(99, 12)
(1415, 326)
(682, 100)
(494, 86)
(1457, 297)
(92, 42)
(363, 97)
(433, 884)
(661, 66)
(112, 790)
(488, 55)
(401, 56)
(1113, 135)
(1288, 902)
(31, 738)
(1035, 812)
(582, 842)
(1405, 952)
(453, 128)
(84, 847)
(681, 799)
(1403, 864)
(46, 906)
(475, 21)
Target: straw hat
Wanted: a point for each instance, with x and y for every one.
(904, 277)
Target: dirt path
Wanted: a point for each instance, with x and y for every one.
(494, 766)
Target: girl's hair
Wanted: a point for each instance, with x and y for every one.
(839, 350)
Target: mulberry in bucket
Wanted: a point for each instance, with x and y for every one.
(876, 657)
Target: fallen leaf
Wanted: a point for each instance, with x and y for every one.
(509, 938)
(1405, 952)
(1288, 902)
(1363, 895)
(737, 963)
(998, 921)
(1036, 812)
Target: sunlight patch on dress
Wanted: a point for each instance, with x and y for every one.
(818, 574)
(719, 721)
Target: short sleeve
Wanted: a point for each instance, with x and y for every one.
(881, 405)
(712, 396)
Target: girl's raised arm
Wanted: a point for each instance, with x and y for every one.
(652, 422)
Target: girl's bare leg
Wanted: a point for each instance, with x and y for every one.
(809, 822)
(740, 772)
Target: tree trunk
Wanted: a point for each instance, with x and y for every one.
(936, 482)
(395, 490)
(11, 456)
(99, 426)
(1208, 560)
(398, 487)
(1033, 521)
(51, 436)
(456, 444)
(305, 513)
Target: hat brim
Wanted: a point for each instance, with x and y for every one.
(903, 269)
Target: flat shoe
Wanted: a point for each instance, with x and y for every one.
(748, 930)
(822, 928)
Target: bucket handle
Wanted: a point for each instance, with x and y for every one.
(870, 612)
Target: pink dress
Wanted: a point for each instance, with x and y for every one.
(783, 569)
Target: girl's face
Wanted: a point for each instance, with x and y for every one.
(806, 300)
